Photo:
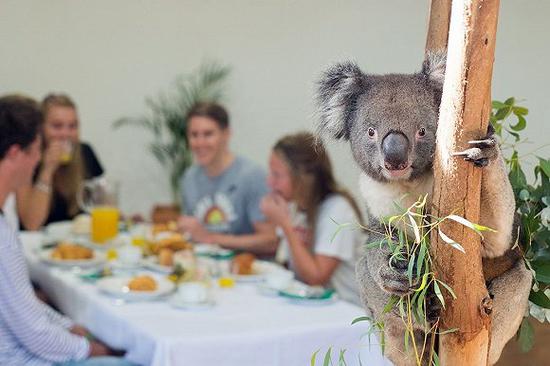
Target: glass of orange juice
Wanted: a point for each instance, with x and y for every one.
(67, 154)
(104, 223)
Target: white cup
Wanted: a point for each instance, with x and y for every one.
(279, 279)
(192, 292)
(129, 255)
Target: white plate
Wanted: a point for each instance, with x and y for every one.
(259, 269)
(211, 250)
(152, 263)
(266, 290)
(177, 302)
(118, 287)
(57, 231)
(98, 259)
(297, 293)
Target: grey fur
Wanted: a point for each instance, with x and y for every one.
(352, 104)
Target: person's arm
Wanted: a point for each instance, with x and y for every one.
(262, 241)
(24, 316)
(34, 201)
(313, 269)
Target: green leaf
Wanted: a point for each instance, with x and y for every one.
(545, 166)
(539, 298)
(448, 288)
(341, 359)
(328, 359)
(526, 336)
(520, 125)
(450, 241)
(438, 293)
(361, 319)
(423, 283)
(497, 105)
(503, 113)
(313, 357)
(510, 101)
(521, 111)
(391, 303)
(542, 271)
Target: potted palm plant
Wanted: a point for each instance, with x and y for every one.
(166, 119)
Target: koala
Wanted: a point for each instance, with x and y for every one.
(390, 122)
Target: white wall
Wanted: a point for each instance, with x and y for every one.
(109, 55)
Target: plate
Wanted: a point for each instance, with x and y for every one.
(98, 259)
(178, 303)
(57, 231)
(212, 251)
(259, 270)
(300, 293)
(118, 287)
(152, 263)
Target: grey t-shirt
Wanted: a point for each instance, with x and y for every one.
(228, 203)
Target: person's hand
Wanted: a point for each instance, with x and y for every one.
(98, 349)
(51, 158)
(192, 225)
(79, 330)
(275, 208)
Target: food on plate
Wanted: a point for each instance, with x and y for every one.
(242, 264)
(159, 228)
(70, 251)
(166, 257)
(173, 241)
(142, 283)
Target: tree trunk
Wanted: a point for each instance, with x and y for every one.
(438, 26)
(464, 115)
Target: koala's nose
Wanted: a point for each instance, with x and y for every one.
(395, 148)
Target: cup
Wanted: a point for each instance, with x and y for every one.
(279, 279)
(129, 255)
(67, 154)
(99, 197)
(192, 292)
(104, 223)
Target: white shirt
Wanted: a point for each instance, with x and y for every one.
(344, 244)
(31, 333)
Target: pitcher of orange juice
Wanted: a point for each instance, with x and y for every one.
(99, 197)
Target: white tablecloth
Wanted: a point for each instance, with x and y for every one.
(244, 328)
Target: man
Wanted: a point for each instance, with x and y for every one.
(31, 333)
(221, 192)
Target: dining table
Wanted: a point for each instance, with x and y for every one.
(244, 326)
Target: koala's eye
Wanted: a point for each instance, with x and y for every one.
(421, 132)
(371, 132)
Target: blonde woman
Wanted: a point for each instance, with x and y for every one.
(306, 203)
(66, 163)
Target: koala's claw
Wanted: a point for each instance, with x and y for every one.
(482, 152)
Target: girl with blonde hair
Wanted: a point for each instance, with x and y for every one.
(66, 163)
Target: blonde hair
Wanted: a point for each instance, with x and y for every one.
(68, 178)
(311, 172)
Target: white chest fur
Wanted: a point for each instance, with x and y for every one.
(381, 198)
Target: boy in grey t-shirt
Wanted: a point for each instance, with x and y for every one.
(228, 203)
(221, 192)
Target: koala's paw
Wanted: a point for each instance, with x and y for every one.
(394, 280)
(482, 151)
(433, 307)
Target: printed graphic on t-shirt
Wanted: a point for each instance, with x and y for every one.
(216, 212)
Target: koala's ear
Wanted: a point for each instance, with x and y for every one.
(339, 88)
(434, 66)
